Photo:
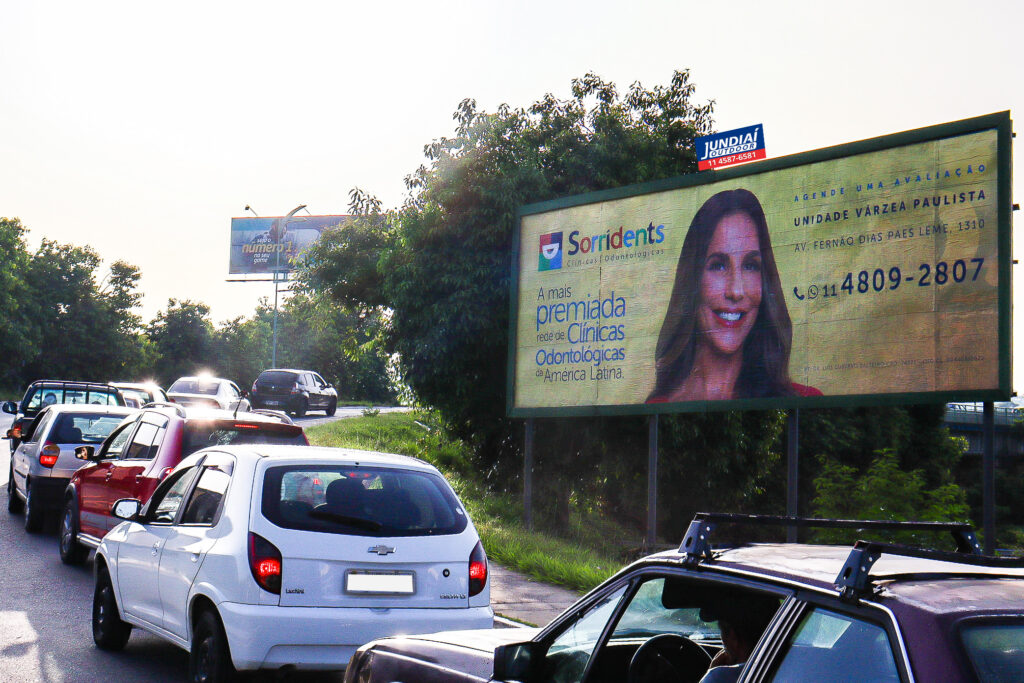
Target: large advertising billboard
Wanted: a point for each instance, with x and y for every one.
(871, 273)
(265, 245)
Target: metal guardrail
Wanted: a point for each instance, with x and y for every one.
(973, 413)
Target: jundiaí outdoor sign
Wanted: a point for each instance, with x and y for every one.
(731, 147)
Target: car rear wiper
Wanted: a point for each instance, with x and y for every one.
(345, 519)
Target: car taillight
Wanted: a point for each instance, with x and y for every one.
(48, 456)
(16, 432)
(239, 425)
(296, 389)
(477, 570)
(254, 387)
(265, 563)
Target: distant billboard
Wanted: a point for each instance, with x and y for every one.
(870, 273)
(730, 148)
(264, 245)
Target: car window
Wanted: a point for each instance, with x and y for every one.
(203, 434)
(204, 503)
(37, 427)
(34, 401)
(648, 615)
(194, 386)
(233, 391)
(141, 446)
(996, 650)
(277, 377)
(318, 380)
(83, 428)
(165, 503)
(118, 440)
(362, 502)
(826, 641)
(568, 655)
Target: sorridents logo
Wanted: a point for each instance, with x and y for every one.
(620, 239)
(550, 251)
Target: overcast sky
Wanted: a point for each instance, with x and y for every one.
(141, 128)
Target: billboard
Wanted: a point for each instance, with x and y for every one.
(264, 245)
(870, 273)
(730, 148)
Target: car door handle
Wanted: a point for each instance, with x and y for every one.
(110, 473)
(195, 557)
(139, 477)
(156, 548)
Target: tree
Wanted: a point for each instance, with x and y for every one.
(182, 337)
(19, 332)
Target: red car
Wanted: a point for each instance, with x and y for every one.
(140, 452)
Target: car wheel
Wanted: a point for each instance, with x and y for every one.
(109, 632)
(33, 513)
(332, 408)
(14, 504)
(71, 551)
(300, 410)
(209, 660)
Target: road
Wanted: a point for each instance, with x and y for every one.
(45, 612)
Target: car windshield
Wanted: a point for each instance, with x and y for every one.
(996, 650)
(83, 428)
(361, 502)
(277, 377)
(194, 386)
(203, 434)
(139, 396)
(43, 396)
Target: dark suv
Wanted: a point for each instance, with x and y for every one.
(765, 613)
(293, 391)
(47, 392)
(141, 451)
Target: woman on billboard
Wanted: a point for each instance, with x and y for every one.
(727, 333)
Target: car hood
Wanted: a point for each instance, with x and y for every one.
(467, 652)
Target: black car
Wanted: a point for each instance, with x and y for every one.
(293, 391)
(783, 613)
(47, 392)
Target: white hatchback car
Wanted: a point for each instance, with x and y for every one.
(262, 556)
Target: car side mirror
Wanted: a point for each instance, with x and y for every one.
(85, 453)
(516, 662)
(10, 407)
(127, 509)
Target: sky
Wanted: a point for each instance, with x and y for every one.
(142, 128)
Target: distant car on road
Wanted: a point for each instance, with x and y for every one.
(44, 461)
(140, 452)
(233, 562)
(210, 392)
(783, 613)
(138, 394)
(294, 391)
(47, 392)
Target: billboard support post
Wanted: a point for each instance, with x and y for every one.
(652, 480)
(988, 468)
(792, 470)
(528, 475)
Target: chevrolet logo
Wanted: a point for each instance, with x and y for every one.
(381, 550)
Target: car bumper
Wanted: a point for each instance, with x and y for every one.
(271, 637)
(286, 403)
(48, 492)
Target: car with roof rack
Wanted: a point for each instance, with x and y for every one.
(874, 612)
(141, 451)
(46, 392)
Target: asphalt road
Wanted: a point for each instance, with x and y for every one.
(46, 608)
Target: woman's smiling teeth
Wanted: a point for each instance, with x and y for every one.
(729, 316)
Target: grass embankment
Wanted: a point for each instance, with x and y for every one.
(579, 557)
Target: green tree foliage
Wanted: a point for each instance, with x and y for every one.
(182, 338)
(19, 332)
(885, 490)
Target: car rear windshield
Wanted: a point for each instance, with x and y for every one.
(40, 397)
(193, 386)
(139, 396)
(361, 501)
(222, 433)
(277, 377)
(85, 428)
(996, 650)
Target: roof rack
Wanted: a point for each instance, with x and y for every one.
(180, 410)
(274, 413)
(853, 579)
(697, 544)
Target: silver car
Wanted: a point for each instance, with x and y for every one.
(43, 463)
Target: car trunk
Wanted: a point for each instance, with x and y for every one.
(339, 570)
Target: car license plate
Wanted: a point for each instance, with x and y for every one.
(380, 582)
(273, 403)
